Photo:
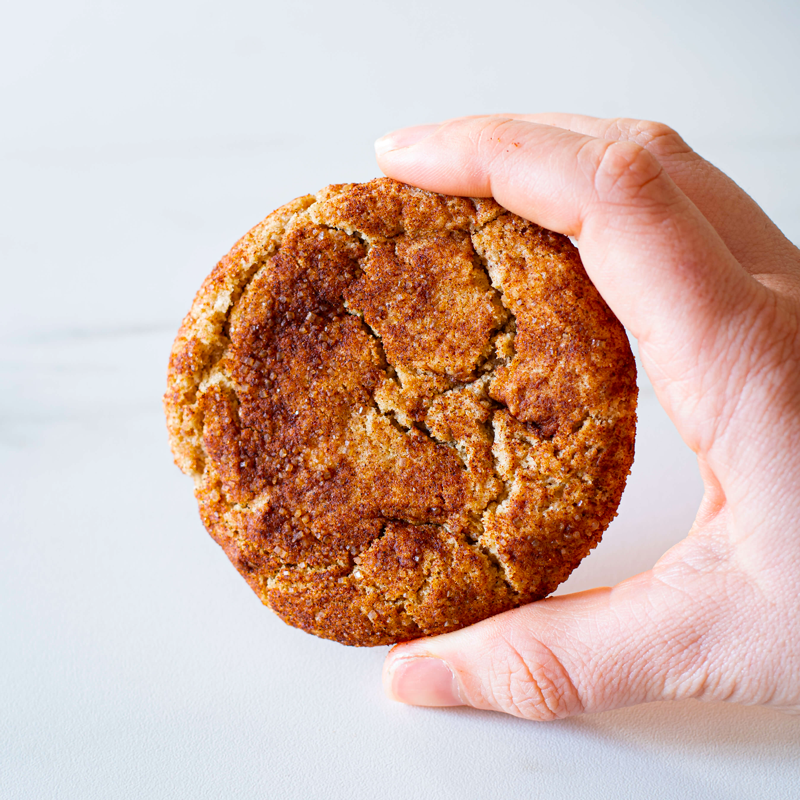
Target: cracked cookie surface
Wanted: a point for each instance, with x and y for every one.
(403, 412)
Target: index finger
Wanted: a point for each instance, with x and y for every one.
(655, 258)
(751, 236)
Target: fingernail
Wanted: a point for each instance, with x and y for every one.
(405, 137)
(424, 681)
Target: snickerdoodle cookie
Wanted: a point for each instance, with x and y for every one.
(403, 412)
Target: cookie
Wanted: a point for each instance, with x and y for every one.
(403, 412)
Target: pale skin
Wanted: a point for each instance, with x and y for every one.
(710, 288)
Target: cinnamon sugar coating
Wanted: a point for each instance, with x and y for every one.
(403, 412)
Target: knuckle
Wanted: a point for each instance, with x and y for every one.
(533, 686)
(658, 138)
(624, 171)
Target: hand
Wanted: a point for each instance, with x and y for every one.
(711, 289)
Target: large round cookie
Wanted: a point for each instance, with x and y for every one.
(403, 412)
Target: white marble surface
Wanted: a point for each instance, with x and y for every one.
(139, 141)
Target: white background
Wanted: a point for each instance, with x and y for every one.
(139, 141)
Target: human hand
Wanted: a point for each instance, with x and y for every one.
(711, 289)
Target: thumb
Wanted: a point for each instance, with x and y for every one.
(594, 651)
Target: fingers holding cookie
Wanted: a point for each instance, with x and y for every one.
(647, 247)
(709, 287)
